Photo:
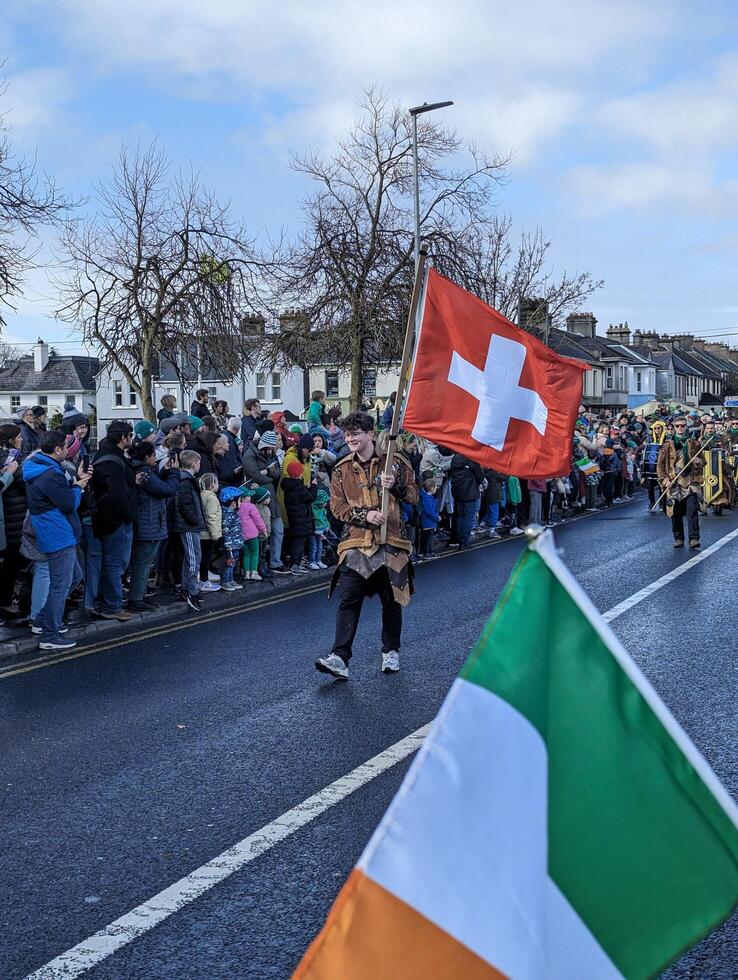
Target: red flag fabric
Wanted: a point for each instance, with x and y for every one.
(487, 389)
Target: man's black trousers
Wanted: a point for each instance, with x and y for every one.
(689, 507)
(352, 590)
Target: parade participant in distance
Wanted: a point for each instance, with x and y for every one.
(366, 566)
(681, 476)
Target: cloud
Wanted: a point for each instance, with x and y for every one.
(36, 100)
(518, 73)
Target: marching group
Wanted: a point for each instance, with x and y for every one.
(204, 501)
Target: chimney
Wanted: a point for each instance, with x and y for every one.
(733, 355)
(620, 333)
(582, 324)
(715, 348)
(40, 355)
(699, 344)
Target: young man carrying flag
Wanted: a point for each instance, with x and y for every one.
(366, 565)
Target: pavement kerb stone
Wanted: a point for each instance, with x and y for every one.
(216, 602)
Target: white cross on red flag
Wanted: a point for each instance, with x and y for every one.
(487, 389)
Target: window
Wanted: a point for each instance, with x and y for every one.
(609, 377)
(261, 386)
(43, 400)
(369, 383)
(638, 381)
(69, 400)
(213, 391)
(331, 384)
(15, 403)
(117, 394)
(276, 386)
(132, 400)
(622, 374)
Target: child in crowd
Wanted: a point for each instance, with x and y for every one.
(322, 524)
(631, 468)
(213, 532)
(262, 501)
(536, 489)
(298, 503)
(232, 536)
(251, 527)
(154, 488)
(429, 517)
(314, 417)
(189, 520)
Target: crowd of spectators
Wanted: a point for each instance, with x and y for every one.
(204, 501)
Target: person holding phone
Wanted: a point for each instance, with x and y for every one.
(13, 512)
(53, 502)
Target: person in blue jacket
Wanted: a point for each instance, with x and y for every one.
(429, 518)
(53, 501)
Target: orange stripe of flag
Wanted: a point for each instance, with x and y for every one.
(371, 934)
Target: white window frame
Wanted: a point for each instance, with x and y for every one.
(15, 403)
(276, 386)
(43, 401)
(369, 373)
(117, 394)
(609, 377)
(639, 382)
(261, 383)
(132, 397)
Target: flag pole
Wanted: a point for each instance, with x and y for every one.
(681, 471)
(404, 367)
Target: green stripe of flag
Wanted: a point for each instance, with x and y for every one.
(638, 842)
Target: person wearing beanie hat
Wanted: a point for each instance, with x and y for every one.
(172, 424)
(321, 524)
(268, 440)
(261, 468)
(144, 431)
(298, 503)
(367, 565)
(260, 494)
(230, 498)
(296, 429)
(30, 438)
(195, 422)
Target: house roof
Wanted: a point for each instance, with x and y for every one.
(696, 363)
(68, 374)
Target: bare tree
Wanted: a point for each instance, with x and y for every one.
(8, 354)
(162, 270)
(352, 268)
(491, 265)
(27, 200)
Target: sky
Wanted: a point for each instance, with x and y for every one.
(622, 121)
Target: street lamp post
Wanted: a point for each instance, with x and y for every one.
(415, 112)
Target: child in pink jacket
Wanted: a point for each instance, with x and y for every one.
(252, 526)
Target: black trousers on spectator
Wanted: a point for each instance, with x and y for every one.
(353, 589)
(426, 541)
(689, 508)
(607, 486)
(297, 547)
(206, 554)
(11, 566)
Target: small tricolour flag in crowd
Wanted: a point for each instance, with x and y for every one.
(557, 822)
(487, 389)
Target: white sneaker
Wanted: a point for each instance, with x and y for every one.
(229, 586)
(322, 564)
(255, 577)
(390, 662)
(334, 665)
(209, 587)
(299, 570)
(236, 585)
(213, 577)
(617, 500)
(313, 566)
(516, 530)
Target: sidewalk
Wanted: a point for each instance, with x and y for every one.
(17, 641)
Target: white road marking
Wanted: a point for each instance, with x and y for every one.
(649, 590)
(82, 957)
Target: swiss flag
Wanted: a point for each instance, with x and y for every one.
(487, 389)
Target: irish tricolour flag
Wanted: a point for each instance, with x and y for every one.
(557, 822)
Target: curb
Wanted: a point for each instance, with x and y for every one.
(97, 631)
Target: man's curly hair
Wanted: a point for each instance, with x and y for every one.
(357, 422)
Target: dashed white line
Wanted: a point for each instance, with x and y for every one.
(82, 957)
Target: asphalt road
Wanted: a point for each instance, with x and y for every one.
(125, 770)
